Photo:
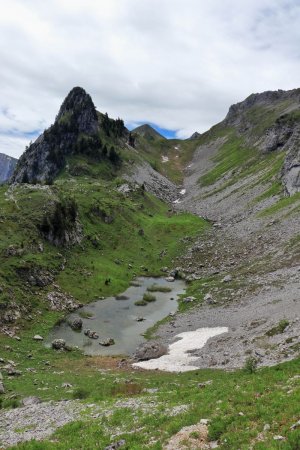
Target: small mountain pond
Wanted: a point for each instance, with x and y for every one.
(116, 317)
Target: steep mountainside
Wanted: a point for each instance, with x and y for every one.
(78, 130)
(7, 166)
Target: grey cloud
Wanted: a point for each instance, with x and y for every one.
(177, 64)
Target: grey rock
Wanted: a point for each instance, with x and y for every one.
(107, 342)
(170, 279)
(227, 279)
(2, 389)
(62, 302)
(188, 299)
(150, 350)
(278, 438)
(76, 324)
(58, 344)
(32, 400)
(91, 334)
(37, 337)
(116, 445)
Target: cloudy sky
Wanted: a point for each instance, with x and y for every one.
(178, 64)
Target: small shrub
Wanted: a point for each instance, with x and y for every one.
(279, 329)
(140, 303)
(80, 394)
(157, 288)
(250, 365)
(147, 297)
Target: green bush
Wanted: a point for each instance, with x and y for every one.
(250, 365)
(147, 297)
(157, 288)
(279, 329)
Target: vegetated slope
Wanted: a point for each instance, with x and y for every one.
(7, 166)
(169, 157)
(104, 227)
(240, 178)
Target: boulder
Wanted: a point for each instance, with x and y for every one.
(2, 389)
(37, 337)
(91, 334)
(188, 299)
(58, 344)
(76, 324)
(227, 279)
(150, 350)
(29, 401)
(170, 279)
(107, 342)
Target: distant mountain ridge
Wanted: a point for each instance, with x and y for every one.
(148, 132)
(195, 135)
(7, 167)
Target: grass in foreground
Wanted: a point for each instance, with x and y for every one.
(237, 404)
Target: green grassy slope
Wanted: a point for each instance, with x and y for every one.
(116, 250)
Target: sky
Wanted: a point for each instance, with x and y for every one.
(177, 64)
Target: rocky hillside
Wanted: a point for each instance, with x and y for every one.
(7, 166)
(78, 130)
(270, 122)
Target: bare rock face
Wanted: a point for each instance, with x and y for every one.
(270, 121)
(7, 167)
(43, 159)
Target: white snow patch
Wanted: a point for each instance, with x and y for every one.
(182, 192)
(177, 201)
(178, 359)
(176, 148)
(164, 159)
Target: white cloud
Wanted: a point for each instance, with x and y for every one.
(179, 64)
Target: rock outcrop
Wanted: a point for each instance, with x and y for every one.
(270, 121)
(75, 130)
(7, 167)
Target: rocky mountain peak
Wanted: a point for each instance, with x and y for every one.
(195, 135)
(75, 130)
(78, 106)
(148, 132)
